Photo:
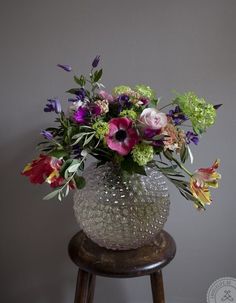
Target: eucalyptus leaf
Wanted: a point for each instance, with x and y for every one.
(51, 195)
(73, 168)
(88, 139)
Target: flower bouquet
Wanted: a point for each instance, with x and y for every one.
(127, 128)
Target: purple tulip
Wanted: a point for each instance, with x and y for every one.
(53, 105)
(66, 67)
(95, 61)
(191, 137)
(80, 115)
(46, 134)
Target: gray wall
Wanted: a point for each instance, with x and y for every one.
(167, 44)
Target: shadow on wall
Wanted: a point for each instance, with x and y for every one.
(35, 266)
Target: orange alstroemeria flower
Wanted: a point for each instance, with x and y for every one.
(202, 179)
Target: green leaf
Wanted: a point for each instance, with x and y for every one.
(80, 80)
(158, 137)
(155, 102)
(58, 153)
(72, 91)
(97, 75)
(184, 154)
(79, 181)
(168, 154)
(129, 165)
(88, 139)
(64, 167)
(51, 195)
(73, 168)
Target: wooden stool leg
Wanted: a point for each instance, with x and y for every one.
(82, 286)
(92, 282)
(157, 287)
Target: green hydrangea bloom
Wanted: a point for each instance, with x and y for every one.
(142, 153)
(145, 91)
(101, 129)
(201, 114)
(129, 113)
(122, 89)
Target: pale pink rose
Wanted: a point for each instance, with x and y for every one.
(105, 95)
(153, 119)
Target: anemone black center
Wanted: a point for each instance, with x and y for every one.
(121, 135)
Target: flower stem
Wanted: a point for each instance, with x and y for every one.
(182, 167)
(166, 106)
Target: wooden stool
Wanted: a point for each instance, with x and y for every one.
(94, 260)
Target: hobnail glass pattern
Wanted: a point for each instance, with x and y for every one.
(121, 213)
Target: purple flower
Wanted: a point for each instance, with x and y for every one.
(80, 94)
(217, 106)
(80, 115)
(177, 115)
(95, 61)
(96, 110)
(53, 105)
(66, 67)
(191, 137)
(72, 99)
(124, 101)
(46, 134)
(149, 133)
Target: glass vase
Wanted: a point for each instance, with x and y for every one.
(120, 211)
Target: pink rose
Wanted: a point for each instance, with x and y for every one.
(105, 95)
(153, 119)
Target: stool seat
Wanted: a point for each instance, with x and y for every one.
(94, 260)
(145, 260)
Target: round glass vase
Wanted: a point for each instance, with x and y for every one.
(120, 211)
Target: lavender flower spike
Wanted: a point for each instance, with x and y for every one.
(46, 134)
(66, 67)
(53, 105)
(96, 61)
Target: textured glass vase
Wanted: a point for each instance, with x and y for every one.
(121, 212)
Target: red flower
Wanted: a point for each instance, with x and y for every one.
(43, 169)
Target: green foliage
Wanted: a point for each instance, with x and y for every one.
(201, 114)
(184, 153)
(142, 153)
(177, 178)
(81, 80)
(132, 167)
(145, 91)
(80, 182)
(97, 75)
